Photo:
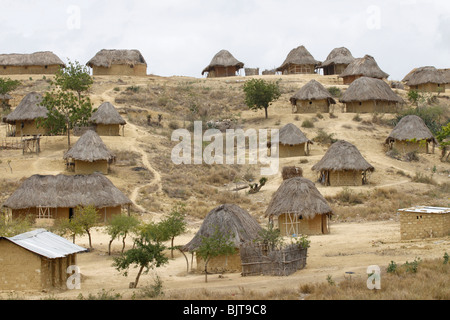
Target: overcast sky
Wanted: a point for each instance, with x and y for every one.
(180, 37)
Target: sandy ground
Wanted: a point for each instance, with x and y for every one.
(349, 247)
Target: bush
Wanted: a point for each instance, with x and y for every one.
(324, 138)
(307, 124)
(335, 92)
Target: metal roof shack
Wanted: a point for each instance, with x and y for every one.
(36, 260)
(46, 244)
(424, 222)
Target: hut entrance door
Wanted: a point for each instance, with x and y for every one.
(71, 213)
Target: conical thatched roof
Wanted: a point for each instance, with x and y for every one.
(369, 89)
(424, 75)
(90, 148)
(366, 66)
(299, 196)
(228, 218)
(223, 59)
(313, 90)
(411, 127)
(290, 134)
(106, 58)
(338, 56)
(63, 191)
(107, 114)
(342, 155)
(28, 109)
(298, 56)
(44, 58)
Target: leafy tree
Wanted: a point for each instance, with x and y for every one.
(67, 106)
(121, 226)
(259, 94)
(174, 225)
(86, 218)
(270, 236)
(10, 228)
(67, 227)
(218, 244)
(146, 254)
(6, 86)
(444, 142)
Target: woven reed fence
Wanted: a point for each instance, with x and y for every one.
(259, 260)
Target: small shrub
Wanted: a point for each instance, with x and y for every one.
(392, 268)
(357, 118)
(412, 267)
(422, 178)
(319, 115)
(324, 138)
(411, 156)
(307, 124)
(133, 89)
(330, 280)
(335, 92)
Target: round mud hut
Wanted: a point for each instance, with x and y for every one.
(411, 134)
(370, 95)
(297, 208)
(312, 98)
(46, 197)
(343, 165)
(426, 79)
(293, 142)
(118, 62)
(363, 67)
(299, 61)
(337, 61)
(23, 120)
(45, 62)
(227, 219)
(89, 154)
(223, 64)
(107, 120)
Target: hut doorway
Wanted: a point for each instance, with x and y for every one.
(71, 213)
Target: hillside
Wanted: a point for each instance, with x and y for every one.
(145, 172)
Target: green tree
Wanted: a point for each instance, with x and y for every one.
(147, 253)
(174, 225)
(270, 236)
(86, 218)
(218, 244)
(6, 86)
(12, 227)
(120, 226)
(67, 106)
(443, 137)
(259, 94)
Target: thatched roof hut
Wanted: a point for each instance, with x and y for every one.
(293, 142)
(118, 62)
(42, 58)
(223, 64)
(28, 109)
(64, 191)
(425, 78)
(313, 90)
(342, 155)
(411, 127)
(337, 61)
(299, 60)
(343, 165)
(370, 95)
(299, 208)
(228, 218)
(89, 148)
(446, 74)
(363, 67)
(107, 119)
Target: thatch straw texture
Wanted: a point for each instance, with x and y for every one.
(366, 66)
(63, 191)
(370, 89)
(290, 134)
(338, 56)
(228, 218)
(223, 59)
(446, 74)
(28, 109)
(298, 196)
(291, 172)
(299, 56)
(424, 75)
(107, 114)
(89, 148)
(106, 58)
(44, 58)
(411, 127)
(313, 90)
(342, 155)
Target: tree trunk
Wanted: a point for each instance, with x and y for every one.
(68, 135)
(138, 276)
(206, 270)
(109, 246)
(265, 109)
(171, 249)
(187, 261)
(123, 242)
(89, 236)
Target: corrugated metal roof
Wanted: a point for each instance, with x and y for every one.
(45, 243)
(424, 209)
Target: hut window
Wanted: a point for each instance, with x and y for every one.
(360, 103)
(310, 102)
(131, 66)
(419, 217)
(4, 67)
(71, 213)
(46, 67)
